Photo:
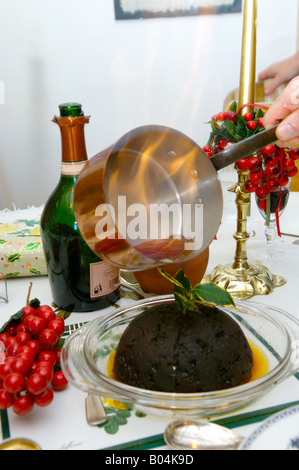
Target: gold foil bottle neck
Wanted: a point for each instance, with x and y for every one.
(72, 137)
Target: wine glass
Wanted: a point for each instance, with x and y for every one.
(271, 210)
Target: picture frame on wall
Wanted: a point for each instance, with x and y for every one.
(147, 9)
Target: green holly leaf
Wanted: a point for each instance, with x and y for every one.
(14, 317)
(234, 106)
(32, 246)
(188, 297)
(14, 258)
(171, 279)
(213, 294)
(34, 271)
(183, 279)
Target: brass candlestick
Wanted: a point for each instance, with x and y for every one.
(241, 279)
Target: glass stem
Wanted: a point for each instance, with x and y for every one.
(270, 233)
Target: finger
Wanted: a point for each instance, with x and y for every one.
(288, 130)
(286, 104)
(272, 85)
(264, 75)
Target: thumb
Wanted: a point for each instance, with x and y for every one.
(288, 130)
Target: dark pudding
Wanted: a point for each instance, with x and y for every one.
(164, 350)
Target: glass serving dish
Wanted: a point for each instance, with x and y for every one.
(85, 357)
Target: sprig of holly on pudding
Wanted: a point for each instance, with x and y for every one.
(186, 345)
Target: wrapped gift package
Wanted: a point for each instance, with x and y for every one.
(21, 250)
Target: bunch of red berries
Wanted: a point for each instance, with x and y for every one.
(270, 169)
(30, 363)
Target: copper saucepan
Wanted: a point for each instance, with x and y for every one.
(154, 197)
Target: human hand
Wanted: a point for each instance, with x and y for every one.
(285, 111)
(279, 73)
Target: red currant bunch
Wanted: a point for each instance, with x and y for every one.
(30, 369)
(231, 126)
(271, 169)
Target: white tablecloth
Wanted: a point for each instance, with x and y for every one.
(63, 425)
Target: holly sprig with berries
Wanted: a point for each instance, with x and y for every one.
(270, 169)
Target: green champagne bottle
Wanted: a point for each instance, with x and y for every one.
(80, 281)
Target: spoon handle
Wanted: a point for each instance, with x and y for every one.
(95, 411)
(244, 148)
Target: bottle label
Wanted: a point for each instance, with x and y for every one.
(104, 279)
(72, 168)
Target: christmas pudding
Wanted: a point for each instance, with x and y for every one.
(188, 346)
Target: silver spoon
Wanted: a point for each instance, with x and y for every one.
(200, 435)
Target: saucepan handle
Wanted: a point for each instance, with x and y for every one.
(244, 148)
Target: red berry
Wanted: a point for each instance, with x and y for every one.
(48, 338)
(27, 351)
(254, 164)
(59, 381)
(28, 310)
(11, 329)
(27, 321)
(10, 340)
(6, 399)
(284, 181)
(262, 193)
(251, 125)
(23, 405)
(217, 150)
(45, 371)
(57, 352)
(47, 356)
(35, 346)
(223, 143)
(4, 370)
(23, 337)
(292, 173)
(248, 116)
(20, 328)
(222, 116)
(36, 384)
(251, 187)
(45, 398)
(274, 160)
(242, 164)
(20, 365)
(256, 177)
(12, 349)
(288, 163)
(294, 153)
(37, 325)
(272, 171)
(269, 151)
(4, 337)
(46, 312)
(273, 185)
(260, 122)
(232, 116)
(57, 326)
(14, 382)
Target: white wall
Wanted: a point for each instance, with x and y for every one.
(172, 71)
